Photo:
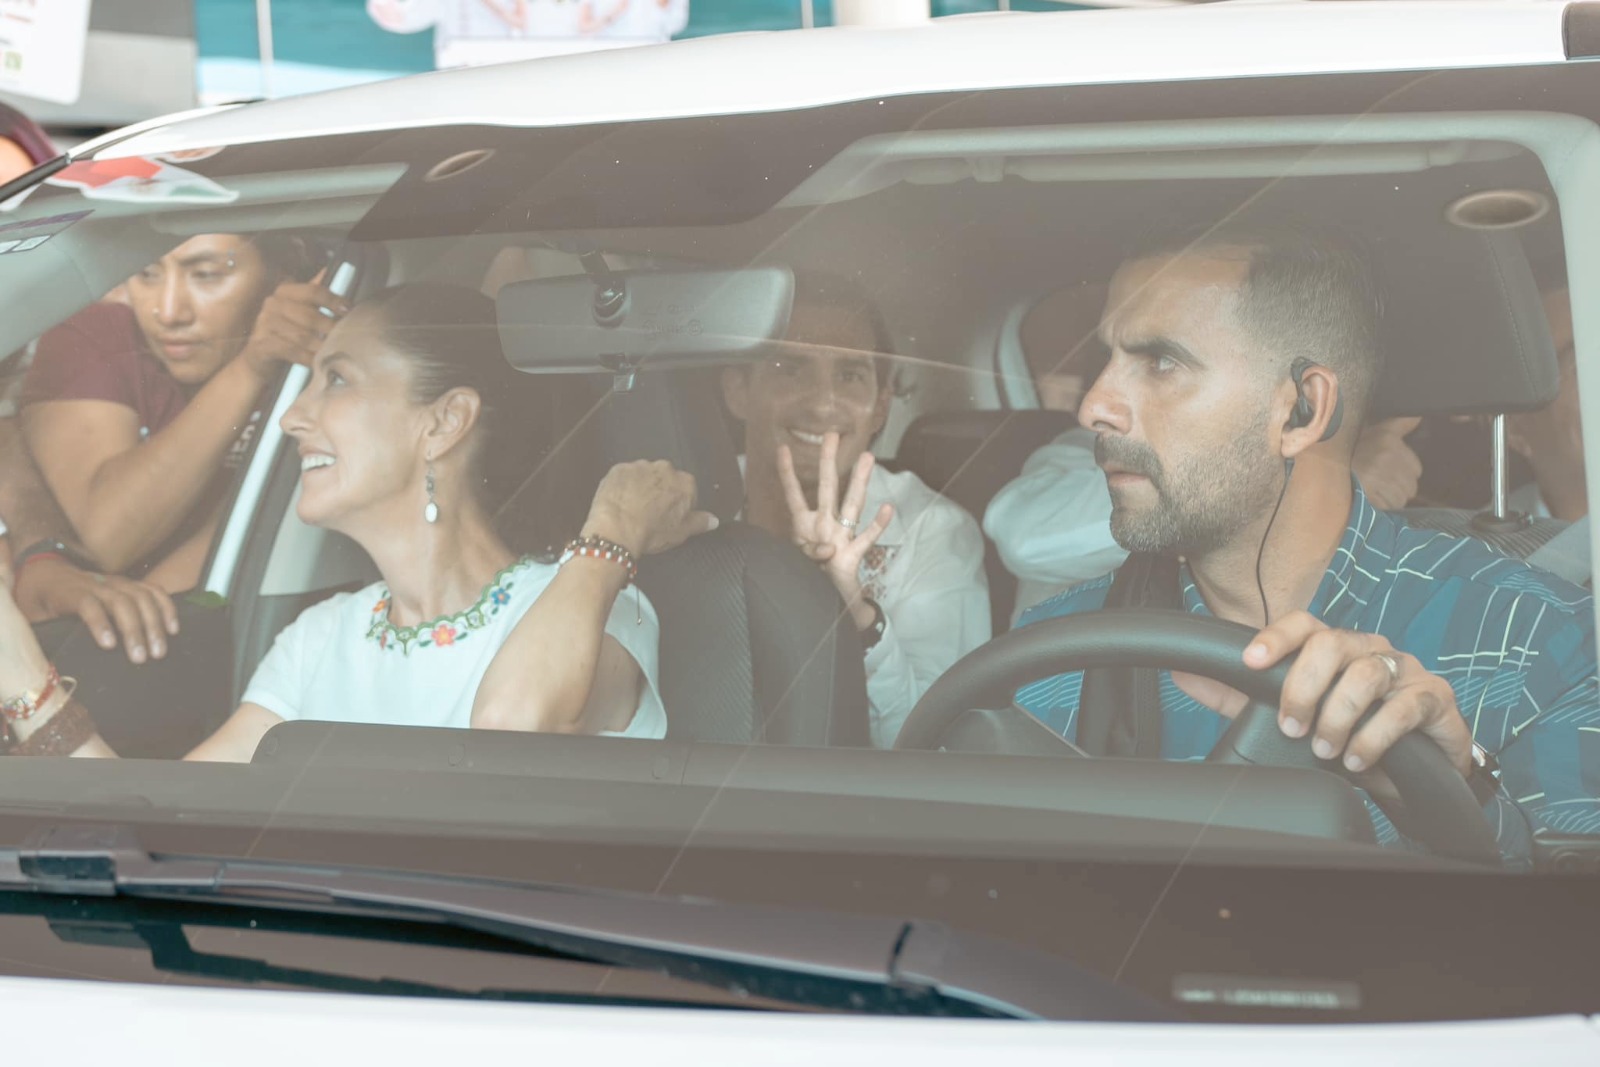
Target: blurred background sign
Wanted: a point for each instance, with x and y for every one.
(322, 44)
(136, 61)
(143, 58)
(41, 48)
(474, 32)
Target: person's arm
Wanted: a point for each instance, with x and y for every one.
(124, 497)
(25, 669)
(30, 511)
(49, 586)
(937, 612)
(558, 670)
(179, 570)
(1052, 523)
(1388, 470)
(235, 740)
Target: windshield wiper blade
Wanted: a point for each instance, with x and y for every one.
(819, 959)
(166, 938)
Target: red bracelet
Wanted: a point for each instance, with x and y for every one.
(35, 558)
(28, 704)
(599, 548)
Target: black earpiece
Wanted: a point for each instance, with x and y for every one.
(1303, 412)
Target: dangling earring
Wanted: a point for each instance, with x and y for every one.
(431, 512)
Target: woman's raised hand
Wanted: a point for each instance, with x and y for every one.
(646, 506)
(293, 322)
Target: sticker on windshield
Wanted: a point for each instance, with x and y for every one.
(1244, 991)
(29, 234)
(137, 180)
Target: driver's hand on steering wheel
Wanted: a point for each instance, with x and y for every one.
(1345, 672)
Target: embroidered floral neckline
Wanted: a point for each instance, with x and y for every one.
(449, 629)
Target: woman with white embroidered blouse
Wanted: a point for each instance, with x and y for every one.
(395, 432)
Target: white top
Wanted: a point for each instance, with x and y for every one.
(1052, 523)
(1528, 500)
(329, 666)
(926, 573)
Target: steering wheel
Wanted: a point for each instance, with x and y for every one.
(1440, 809)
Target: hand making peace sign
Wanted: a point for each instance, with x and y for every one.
(831, 533)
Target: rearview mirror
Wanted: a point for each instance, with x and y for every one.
(634, 320)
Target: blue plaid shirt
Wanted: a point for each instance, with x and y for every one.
(1515, 643)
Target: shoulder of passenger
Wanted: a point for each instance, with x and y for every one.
(1085, 596)
(323, 619)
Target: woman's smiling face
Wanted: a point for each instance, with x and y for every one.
(359, 429)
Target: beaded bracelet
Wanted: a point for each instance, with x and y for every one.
(599, 548)
(28, 704)
(67, 731)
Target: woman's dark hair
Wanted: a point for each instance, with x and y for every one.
(27, 135)
(452, 336)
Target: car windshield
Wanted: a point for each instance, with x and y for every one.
(1169, 477)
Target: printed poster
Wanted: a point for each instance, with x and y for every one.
(41, 48)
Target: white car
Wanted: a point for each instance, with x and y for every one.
(801, 841)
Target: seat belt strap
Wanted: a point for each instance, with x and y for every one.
(1119, 710)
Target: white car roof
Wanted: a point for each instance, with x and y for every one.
(756, 72)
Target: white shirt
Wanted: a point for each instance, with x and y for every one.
(1052, 523)
(926, 573)
(1528, 500)
(328, 665)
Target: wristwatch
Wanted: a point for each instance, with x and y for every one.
(874, 631)
(1483, 777)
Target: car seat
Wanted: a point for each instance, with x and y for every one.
(752, 645)
(969, 456)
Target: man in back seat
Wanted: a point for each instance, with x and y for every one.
(1052, 524)
(908, 562)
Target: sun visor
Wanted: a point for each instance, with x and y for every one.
(636, 320)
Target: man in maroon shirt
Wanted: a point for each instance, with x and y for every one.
(132, 411)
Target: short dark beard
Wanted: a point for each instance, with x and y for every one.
(1203, 502)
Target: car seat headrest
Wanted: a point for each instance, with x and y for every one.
(1463, 330)
(676, 416)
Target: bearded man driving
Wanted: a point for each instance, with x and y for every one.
(1243, 364)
